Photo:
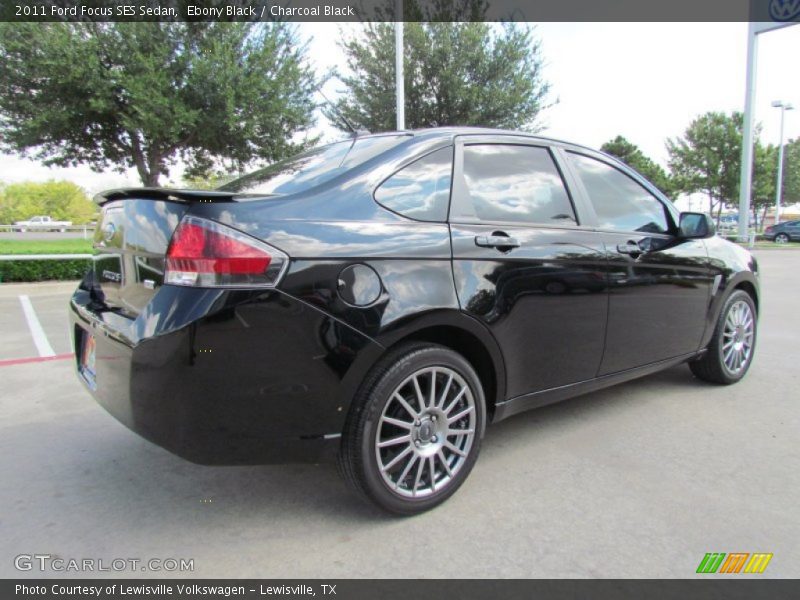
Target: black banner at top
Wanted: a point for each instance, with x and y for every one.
(412, 10)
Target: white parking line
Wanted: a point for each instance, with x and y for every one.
(39, 338)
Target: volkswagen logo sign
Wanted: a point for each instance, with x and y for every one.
(108, 231)
(784, 10)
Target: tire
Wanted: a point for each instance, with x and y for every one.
(389, 407)
(782, 238)
(737, 324)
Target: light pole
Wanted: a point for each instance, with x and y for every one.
(784, 106)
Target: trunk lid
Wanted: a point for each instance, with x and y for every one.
(131, 241)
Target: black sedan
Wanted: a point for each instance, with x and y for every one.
(382, 299)
(783, 233)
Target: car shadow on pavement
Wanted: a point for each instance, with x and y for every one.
(99, 473)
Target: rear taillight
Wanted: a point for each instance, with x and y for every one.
(205, 253)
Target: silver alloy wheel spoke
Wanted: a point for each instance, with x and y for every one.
(418, 392)
(406, 470)
(446, 390)
(405, 405)
(422, 456)
(394, 441)
(397, 422)
(737, 337)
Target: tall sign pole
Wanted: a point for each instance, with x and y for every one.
(746, 175)
(746, 179)
(400, 92)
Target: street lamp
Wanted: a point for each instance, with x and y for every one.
(784, 106)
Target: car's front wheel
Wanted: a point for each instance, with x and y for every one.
(731, 348)
(415, 429)
(782, 238)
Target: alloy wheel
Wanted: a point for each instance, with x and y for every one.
(737, 337)
(425, 432)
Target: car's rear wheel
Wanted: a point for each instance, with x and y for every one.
(415, 429)
(782, 238)
(730, 351)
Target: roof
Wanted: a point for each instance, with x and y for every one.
(452, 130)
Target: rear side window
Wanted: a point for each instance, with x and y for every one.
(620, 202)
(420, 190)
(514, 184)
(313, 168)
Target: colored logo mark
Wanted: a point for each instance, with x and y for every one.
(735, 562)
(784, 10)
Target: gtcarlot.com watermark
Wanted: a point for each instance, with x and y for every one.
(57, 564)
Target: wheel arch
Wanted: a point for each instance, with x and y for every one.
(459, 332)
(752, 291)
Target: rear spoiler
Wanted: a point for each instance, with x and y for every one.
(164, 194)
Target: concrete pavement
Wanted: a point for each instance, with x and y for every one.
(640, 480)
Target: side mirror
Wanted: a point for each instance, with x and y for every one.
(696, 226)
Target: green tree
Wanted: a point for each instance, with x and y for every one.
(762, 198)
(632, 156)
(62, 200)
(707, 158)
(791, 172)
(144, 95)
(455, 74)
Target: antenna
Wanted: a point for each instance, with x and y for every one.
(353, 130)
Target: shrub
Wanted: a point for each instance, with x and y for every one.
(43, 270)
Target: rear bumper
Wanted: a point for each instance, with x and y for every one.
(225, 377)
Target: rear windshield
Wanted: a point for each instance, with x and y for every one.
(312, 168)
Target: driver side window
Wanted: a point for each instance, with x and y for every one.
(620, 202)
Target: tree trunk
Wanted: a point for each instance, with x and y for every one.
(144, 166)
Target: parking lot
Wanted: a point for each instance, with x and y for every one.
(639, 480)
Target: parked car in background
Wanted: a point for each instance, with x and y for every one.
(42, 223)
(782, 233)
(384, 298)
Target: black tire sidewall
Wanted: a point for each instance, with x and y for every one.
(407, 363)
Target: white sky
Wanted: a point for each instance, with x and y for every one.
(645, 81)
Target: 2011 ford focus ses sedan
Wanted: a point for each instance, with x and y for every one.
(382, 299)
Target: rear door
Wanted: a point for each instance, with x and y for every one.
(524, 264)
(659, 285)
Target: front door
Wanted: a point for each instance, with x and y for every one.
(524, 266)
(659, 285)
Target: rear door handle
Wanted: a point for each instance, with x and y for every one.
(496, 241)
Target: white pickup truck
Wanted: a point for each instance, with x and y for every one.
(41, 223)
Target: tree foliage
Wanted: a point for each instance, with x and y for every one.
(762, 198)
(791, 172)
(632, 156)
(143, 95)
(707, 158)
(455, 74)
(62, 200)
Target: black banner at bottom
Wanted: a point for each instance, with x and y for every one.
(398, 589)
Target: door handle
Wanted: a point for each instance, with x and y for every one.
(631, 248)
(496, 241)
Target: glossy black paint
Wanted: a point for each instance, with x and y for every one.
(257, 376)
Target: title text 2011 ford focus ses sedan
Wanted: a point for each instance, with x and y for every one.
(383, 298)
